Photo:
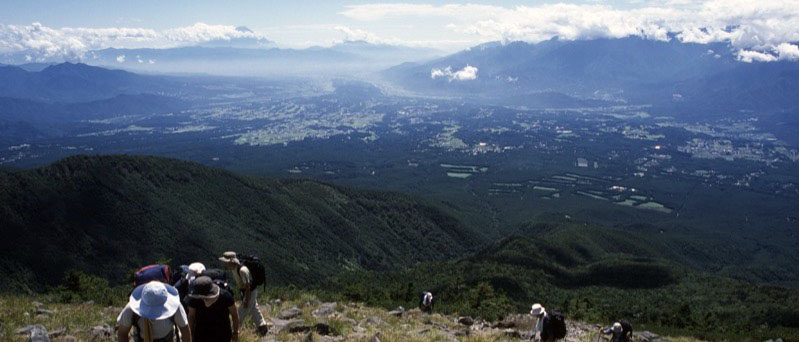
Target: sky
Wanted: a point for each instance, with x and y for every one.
(760, 30)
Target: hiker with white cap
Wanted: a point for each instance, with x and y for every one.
(249, 294)
(549, 326)
(211, 312)
(621, 331)
(154, 309)
(426, 302)
(188, 274)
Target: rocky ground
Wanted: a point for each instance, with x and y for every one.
(302, 320)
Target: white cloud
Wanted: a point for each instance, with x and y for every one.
(121, 59)
(782, 52)
(72, 43)
(351, 34)
(468, 73)
(760, 26)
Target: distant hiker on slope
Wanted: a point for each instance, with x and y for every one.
(426, 302)
(154, 309)
(247, 287)
(211, 310)
(621, 331)
(548, 326)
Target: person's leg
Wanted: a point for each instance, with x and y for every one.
(255, 311)
(244, 311)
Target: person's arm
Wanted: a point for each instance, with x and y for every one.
(185, 334)
(247, 288)
(192, 320)
(234, 314)
(123, 333)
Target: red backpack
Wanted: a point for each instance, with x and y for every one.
(150, 273)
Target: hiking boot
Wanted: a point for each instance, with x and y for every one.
(262, 330)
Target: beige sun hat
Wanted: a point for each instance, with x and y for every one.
(229, 256)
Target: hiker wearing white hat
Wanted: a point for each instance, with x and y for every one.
(549, 326)
(154, 308)
(249, 295)
(621, 331)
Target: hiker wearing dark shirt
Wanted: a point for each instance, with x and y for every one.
(212, 312)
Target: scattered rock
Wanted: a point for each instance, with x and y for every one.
(44, 312)
(398, 312)
(290, 326)
(423, 331)
(374, 320)
(57, 332)
(290, 313)
(503, 325)
(332, 339)
(512, 333)
(102, 331)
(465, 320)
(322, 328)
(462, 333)
(647, 336)
(38, 334)
(37, 304)
(325, 309)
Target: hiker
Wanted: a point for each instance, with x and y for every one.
(188, 274)
(211, 311)
(548, 326)
(154, 308)
(249, 294)
(426, 302)
(621, 331)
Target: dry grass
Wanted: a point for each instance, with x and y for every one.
(351, 323)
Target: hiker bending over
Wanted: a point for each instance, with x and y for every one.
(548, 326)
(621, 331)
(187, 276)
(426, 302)
(154, 309)
(249, 294)
(211, 310)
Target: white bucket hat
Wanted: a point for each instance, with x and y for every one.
(154, 300)
(537, 310)
(617, 327)
(196, 269)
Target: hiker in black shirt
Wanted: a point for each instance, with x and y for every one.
(210, 312)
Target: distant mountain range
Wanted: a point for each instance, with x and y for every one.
(231, 59)
(76, 82)
(108, 215)
(670, 74)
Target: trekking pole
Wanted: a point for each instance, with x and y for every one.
(598, 332)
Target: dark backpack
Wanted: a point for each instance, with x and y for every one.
(219, 277)
(150, 273)
(626, 327)
(554, 326)
(257, 270)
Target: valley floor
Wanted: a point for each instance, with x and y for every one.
(302, 319)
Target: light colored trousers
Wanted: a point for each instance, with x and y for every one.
(251, 309)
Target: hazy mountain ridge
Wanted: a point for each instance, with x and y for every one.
(68, 82)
